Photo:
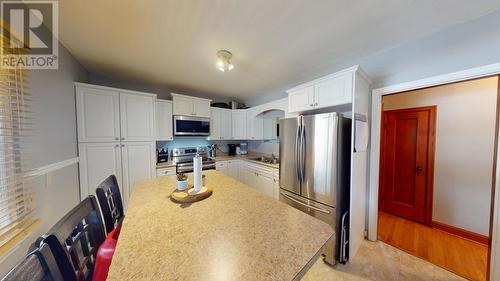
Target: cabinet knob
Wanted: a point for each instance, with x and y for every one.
(316, 103)
(122, 138)
(123, 145)
(312, 104)
(117, 138)
(117, 145)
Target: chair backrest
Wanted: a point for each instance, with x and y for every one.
(110, 200)
(39, 265)
(74, 240)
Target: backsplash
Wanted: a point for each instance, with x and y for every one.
(267, 147)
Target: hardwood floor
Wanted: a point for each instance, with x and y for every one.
(456, 254)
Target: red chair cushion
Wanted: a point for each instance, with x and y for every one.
(105, 255)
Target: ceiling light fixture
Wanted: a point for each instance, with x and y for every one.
(224, 61)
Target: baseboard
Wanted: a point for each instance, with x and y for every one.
(461, 232)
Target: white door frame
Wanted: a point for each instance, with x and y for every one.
(376, 114)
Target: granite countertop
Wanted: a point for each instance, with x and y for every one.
(249, 157)
(224, 157)
(236, 234)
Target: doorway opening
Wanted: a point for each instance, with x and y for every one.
(437, 153)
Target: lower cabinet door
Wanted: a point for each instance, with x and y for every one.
(97, 162)
(138, 162)
(265, 184)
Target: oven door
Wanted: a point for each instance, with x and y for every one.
(191, 126)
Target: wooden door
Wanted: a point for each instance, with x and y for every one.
(137, 117)
(407, 163)
(98, 115)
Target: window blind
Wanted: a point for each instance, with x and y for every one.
(16, 190)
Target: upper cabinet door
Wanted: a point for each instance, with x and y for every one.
(225, 124)
(98, 115)
(137, 117)
(239, 124)
(164, 120)
(255, 125)
(183, 105)
(335, 91)
(201, 108)
(301, 99)
(215, 129)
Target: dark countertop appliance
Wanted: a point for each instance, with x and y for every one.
(161, 155)
(232, 148)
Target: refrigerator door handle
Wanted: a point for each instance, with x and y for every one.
(306, 205)
(303, 149)
(297, 151)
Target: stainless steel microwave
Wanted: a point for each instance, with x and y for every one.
(191, 126)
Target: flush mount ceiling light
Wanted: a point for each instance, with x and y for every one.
(224, 61)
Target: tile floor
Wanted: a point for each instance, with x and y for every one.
(379, 261)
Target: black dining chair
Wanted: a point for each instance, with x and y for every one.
(110, 200)
(39, 265)
(75, 239)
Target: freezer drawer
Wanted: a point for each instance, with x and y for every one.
(319, 211)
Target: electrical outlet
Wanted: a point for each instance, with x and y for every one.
(48, 180)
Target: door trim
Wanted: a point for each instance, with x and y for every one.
(430, 157)
(376, 116)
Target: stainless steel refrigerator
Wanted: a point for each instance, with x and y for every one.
(315, 155)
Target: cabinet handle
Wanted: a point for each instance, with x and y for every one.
(123, 145)
(122, 138)
(316, 103)
(312, 104)
(117, 145)
(117, 138)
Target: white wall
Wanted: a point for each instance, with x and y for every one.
(54, 141)
(465, 132)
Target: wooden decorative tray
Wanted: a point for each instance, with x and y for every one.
(185, 197)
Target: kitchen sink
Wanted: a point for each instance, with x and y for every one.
(268, 160)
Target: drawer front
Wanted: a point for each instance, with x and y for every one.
(165, 172)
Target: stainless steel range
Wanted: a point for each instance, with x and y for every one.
(183, 158)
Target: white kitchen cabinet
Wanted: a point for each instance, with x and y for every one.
(259, 177)
(221, 166)
(138, 163)
(239, 124)
(137, 117)
(270, 130)
(276, 185)
(233, 169)
(226, 124)
(301, 99)
(190, 106)
(335, 91)
(331, 90)
(163, 120)
(98, 114)
(170, 171)
(220, 124)
(201, 107)
(254, 125)
(98, 161)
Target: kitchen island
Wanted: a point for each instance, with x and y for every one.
(236, 234)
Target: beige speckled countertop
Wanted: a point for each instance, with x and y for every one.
(224, 157)
(236, 234)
